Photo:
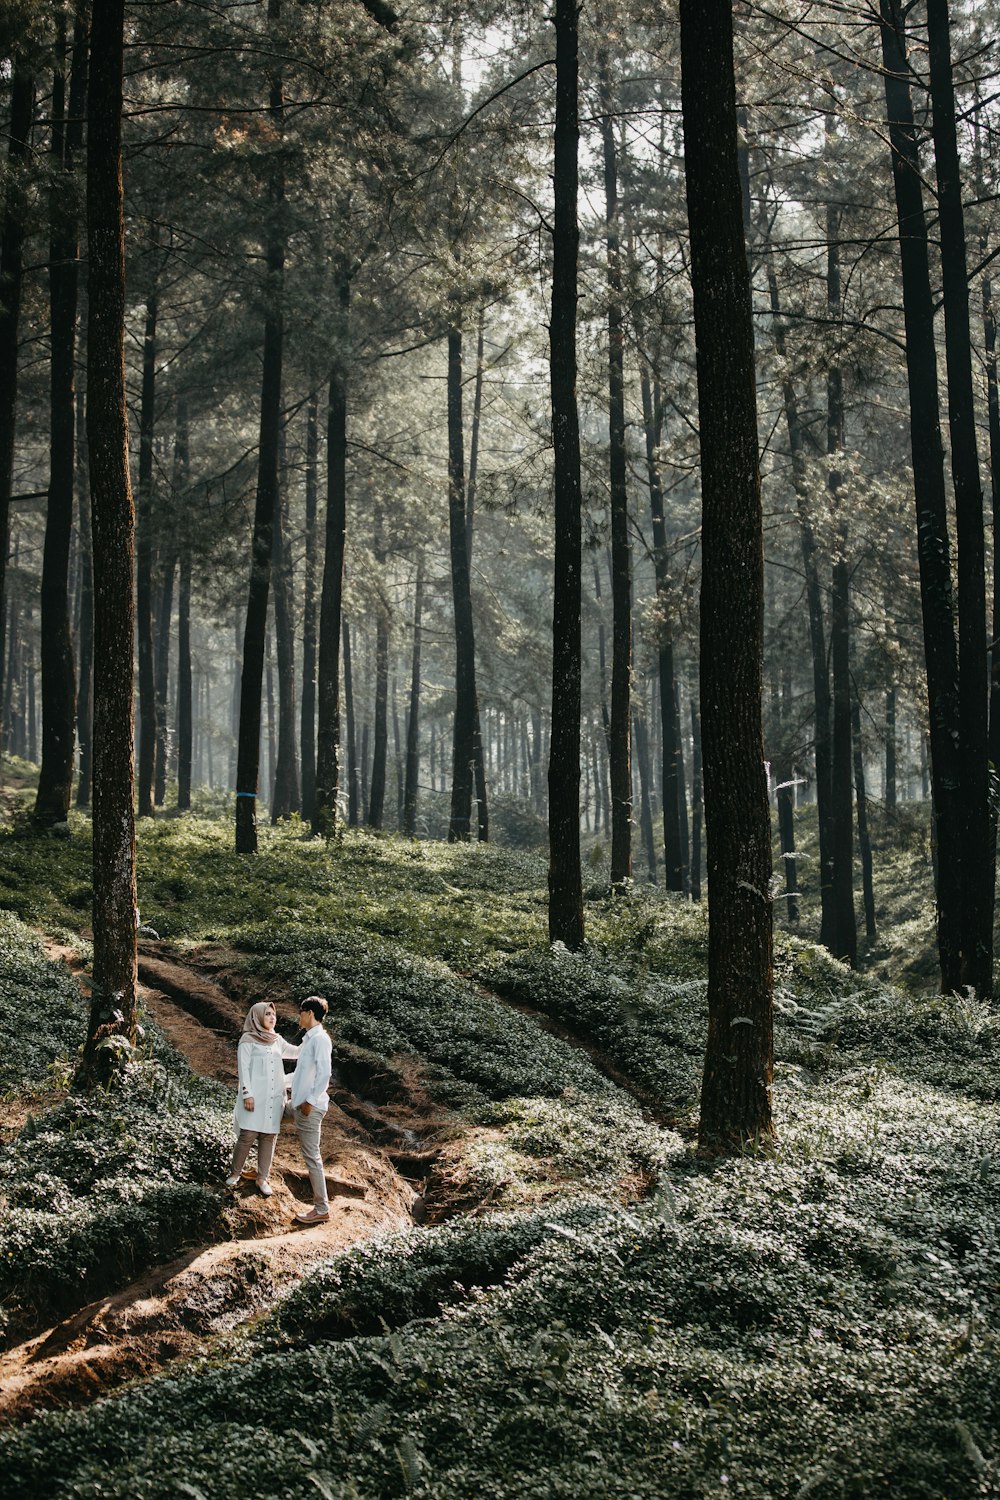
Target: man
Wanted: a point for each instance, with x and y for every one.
(310, 1101)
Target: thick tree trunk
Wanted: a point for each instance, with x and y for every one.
(736, 1088)
(112, 1013)
(307, 724)
(565, 877)
(929, 489)
(619, 742)
(331, 624)
(286, 799)
(977, 854)
(411, 782)
(55, 778)
(144, 560)
(11, 276)
(248, 751)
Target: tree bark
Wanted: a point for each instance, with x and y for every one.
(410, 787)
(736, 1087)
(248, 751)
(353, 769)
(645, 802)
(619, 740)
(929, 491)
(144, 558)
(286, 799)
(331, 623)
(864, 837)
(565, 876)
(161, 667)
(112, 1010)
(973, 681)
(376, 799)
(307, 724)
(85, 697)
(466, 705)
(11, 276)
(55, 778)
(185, 737)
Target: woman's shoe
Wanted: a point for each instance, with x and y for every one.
(232, 1182)
(264, 1188)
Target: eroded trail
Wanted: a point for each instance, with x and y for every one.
(382, 1137)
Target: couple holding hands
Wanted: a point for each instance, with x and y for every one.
(260, 1098)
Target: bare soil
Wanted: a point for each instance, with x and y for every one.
(383, 1139)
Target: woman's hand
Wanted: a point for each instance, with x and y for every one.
(248, 1104)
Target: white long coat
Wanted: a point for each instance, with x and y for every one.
(262, 1077)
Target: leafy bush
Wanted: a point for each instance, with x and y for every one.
(42, 1014)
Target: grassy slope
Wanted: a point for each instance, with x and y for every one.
(820, 1322)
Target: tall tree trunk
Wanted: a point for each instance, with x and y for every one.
(144, 557)
(410, 787)
(161, 666)
(112, 1009)
(181, 556)
(645, 802)
(353, 769)
(993, 409)
(845, 940)
(466, 706)
(864, 837)
(11, 276)
(977, 858)
(929, 490)
(376, 800)
(286, 771)
(55, 778)
(890, 752)
(248, 752)
(85, 697)
(736, 1088)
(331, 624)
(565, 876)
(307, 725)
(184, 684)
(619, 742)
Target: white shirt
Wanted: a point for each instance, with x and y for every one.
(311, 1078)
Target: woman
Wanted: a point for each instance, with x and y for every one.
(260, 1097)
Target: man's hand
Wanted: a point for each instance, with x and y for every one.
(305, 1109)
(248, 1104)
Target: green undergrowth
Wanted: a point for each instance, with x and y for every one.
(94, 1189)
(552, 1120)
(817, 1322)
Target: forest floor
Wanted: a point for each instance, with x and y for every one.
(530, 1286)
(380, 1157)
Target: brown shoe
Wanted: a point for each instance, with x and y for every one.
(312, 1216)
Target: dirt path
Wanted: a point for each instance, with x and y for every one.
(381, 1138)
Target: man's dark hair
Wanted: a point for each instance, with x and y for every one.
(316, 1005)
